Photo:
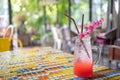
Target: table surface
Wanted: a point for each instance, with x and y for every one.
(46, 64)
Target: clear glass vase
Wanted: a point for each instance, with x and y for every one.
(83, 63)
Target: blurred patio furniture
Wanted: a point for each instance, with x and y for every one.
(8, 32)
(114, 49)
(2, 31)
(114, 54)
(25, 38)
(68, 39)
(6, 40)
(105, 39)
(47, 40)
(56, 37)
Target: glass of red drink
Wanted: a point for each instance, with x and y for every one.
(83, 63)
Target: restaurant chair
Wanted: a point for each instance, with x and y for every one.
(68, 39)
(105, 39)
(9, 32)
(114, 53)
(6, 40)
(57, 40)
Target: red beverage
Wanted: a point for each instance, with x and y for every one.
(83, 63)
(83, 68)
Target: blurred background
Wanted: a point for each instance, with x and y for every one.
(43, 23)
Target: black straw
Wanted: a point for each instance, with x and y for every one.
(82, 23)
(73, 22)
(78, 33)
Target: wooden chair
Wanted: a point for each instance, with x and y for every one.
(114, 52)
(105, 39)
(114, 55)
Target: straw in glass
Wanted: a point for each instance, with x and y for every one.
(82, 23)
(78, 33)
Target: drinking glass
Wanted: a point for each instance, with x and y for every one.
(83, 62)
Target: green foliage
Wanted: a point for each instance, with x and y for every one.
(62, 8)
(35, 37)
(82, 7)
(34, 12)
(31, 10)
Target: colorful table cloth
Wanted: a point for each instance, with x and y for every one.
(46, 64)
